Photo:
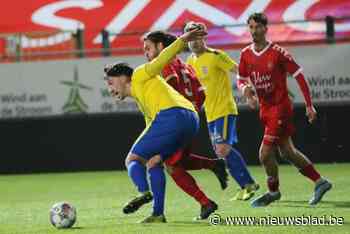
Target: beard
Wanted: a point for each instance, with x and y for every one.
(151, 57)
(256, 38)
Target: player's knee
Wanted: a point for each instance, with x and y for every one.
(133, 157)
(222, 150)
(287, 152)
(263, 158)
(283, 153)
(287, 148)
(264, 155)
(153, 162)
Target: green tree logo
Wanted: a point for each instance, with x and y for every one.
(75, 103)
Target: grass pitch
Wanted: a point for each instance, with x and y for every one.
(25, 201)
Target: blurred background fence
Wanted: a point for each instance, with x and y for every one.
(51, 45)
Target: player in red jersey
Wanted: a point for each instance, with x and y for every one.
(263, 71)
(182, 78)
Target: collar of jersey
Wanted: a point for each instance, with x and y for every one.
(262, 51)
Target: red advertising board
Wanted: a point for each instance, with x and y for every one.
(125, 17)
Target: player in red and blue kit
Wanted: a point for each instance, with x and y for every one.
(183, 79)
(263, 71)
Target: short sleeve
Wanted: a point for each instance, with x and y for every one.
(288, 63)
(224, 61)
(243, 74)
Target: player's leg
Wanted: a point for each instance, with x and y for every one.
(298, 159)
(141, 153)
(238, 170)
(194, 161)
(165, 138)
(157, 180)
(306, 168)
(136, 167)
(175, 168)
(197, 162)
(224, 137)
(188, 184)
(267, 157)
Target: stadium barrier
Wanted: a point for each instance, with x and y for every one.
(53, 45)
(101, 142)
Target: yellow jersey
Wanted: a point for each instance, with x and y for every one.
(213, 69)
(151, 92)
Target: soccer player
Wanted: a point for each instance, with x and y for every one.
(263, 70)
(182, 78)
(172, 119)
(213, 68)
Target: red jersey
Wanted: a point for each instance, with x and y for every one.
(183, 79)
(267, 71)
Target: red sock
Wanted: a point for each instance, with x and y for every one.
(273, 184)
(197, 162)
(188, 184)
(310, 172)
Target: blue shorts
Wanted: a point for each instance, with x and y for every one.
(223, 130)
(171, 130)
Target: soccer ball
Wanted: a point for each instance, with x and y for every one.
(63, 215)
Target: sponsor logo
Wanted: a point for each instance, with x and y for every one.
(75, 102)
(67, 16)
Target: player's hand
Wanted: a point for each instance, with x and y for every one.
(311, 113)
(195, 34)
(253, 102)
(248, 91)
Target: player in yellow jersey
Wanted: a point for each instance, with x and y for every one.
(213, 68)
(171, 121)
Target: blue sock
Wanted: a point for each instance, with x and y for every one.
(137, 172)
(157, 178)
(238, 168)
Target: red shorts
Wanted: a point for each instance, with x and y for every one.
(178, 156)
(278, 123)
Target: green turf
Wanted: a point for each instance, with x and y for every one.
(98, 196)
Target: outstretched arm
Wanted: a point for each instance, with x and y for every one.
(156, 66)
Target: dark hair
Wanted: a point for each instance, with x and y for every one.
(160, 37)
(118, 69)
(259, 18)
